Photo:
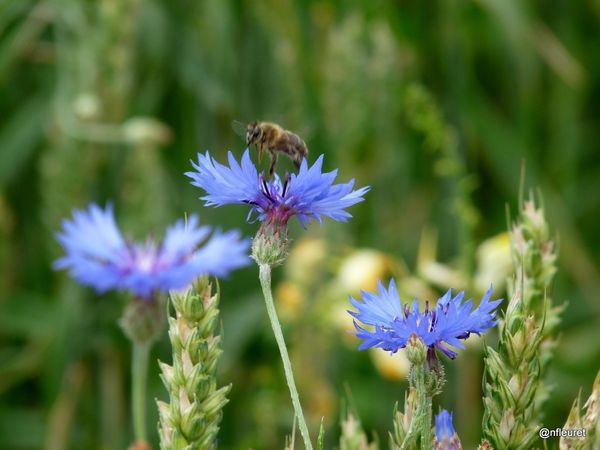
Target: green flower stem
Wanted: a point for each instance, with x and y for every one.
(423, 416)
(265, 281)
(410, 434)
(139, 375)
(426, 423)
(142, 322)
(420, 424)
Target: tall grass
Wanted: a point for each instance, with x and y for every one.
(110, 99)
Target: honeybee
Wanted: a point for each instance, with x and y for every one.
(272, 138)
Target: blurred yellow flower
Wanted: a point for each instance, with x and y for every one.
(494, 263)
(474, 342)
(411, 287)
(289, 299)
(393, 367)
(340, 319)
(432, 271)
(362, 268)
(306, 259)
(322, 400)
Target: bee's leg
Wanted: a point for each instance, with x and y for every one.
(260, 153)
(297, 161)
(273, 164)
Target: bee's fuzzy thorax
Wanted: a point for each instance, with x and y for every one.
(272, 138)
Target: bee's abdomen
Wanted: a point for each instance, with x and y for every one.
(292, 144)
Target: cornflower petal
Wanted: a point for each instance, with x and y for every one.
(309, 194)
(235, 184)
(445, 435)
(108, 237)
(97, 255)
(444, 429)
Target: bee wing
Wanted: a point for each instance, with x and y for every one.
(239, 128)
(307, 132)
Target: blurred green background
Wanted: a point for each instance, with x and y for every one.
(434, 104)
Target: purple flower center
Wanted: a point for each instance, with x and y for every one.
(276, 207)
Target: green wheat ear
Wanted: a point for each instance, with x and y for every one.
(353, 436)
(191, 418)
(402, 423)
(587, 419)
(514, 388)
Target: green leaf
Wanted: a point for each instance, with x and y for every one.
(21, 428)
(20, 136)
(321, 438)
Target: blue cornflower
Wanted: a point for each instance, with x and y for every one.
(98, 255)
(308, 194)
(450, 321)
(445, 436)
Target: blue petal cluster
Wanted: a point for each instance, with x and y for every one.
(392, 324)
(97, 254)
(308, 194)
(445, 436)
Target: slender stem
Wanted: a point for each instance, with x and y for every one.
(426, 423)
(265, 282)
(420, 423)
(139, 377)
(424, 408)
(409, 437)
(414, 385)
(293, 440)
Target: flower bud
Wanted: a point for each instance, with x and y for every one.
(270, 245)
(143, 320)
(416, 350)
(445, 436)
(485, 445)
